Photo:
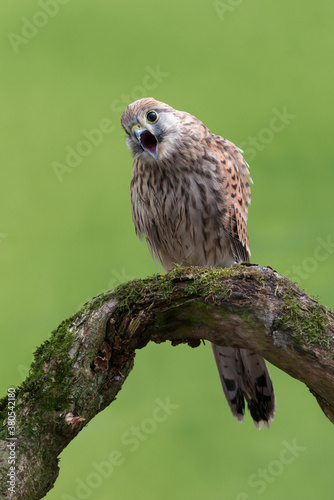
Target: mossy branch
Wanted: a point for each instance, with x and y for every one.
(81, 368)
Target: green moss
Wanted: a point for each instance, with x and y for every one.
(93, 304)
(253, 273)
(3, 403)
(160, 286)
(129, 293)
(51, 363)
(166, 289)
(306, 323)
(51, 370)
(209, 282)
(201, 281)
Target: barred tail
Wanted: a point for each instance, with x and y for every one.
(244, 376)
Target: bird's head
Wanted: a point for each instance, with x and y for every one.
(153, 128)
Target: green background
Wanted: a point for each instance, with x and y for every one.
(66, 238)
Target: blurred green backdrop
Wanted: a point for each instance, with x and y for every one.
(259, 73)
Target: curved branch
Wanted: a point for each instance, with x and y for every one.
(81, 368)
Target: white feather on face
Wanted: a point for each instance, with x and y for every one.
(170, 128)
(167, 130)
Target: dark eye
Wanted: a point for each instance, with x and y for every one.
(152, 116)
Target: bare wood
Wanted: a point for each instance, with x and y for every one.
(80, 370)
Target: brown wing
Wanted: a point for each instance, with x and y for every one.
(238, 196)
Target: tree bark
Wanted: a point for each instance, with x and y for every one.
(81, 368)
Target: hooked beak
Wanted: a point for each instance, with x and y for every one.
(147, 140)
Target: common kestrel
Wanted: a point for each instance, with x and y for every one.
(189, 196)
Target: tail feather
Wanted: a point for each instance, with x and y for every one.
(244, 376)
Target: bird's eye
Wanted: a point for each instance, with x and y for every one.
(152, 116)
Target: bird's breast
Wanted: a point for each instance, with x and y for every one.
(181, 216)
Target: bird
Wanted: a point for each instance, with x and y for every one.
(190, 191)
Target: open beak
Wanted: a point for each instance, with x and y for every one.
(147, 140)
